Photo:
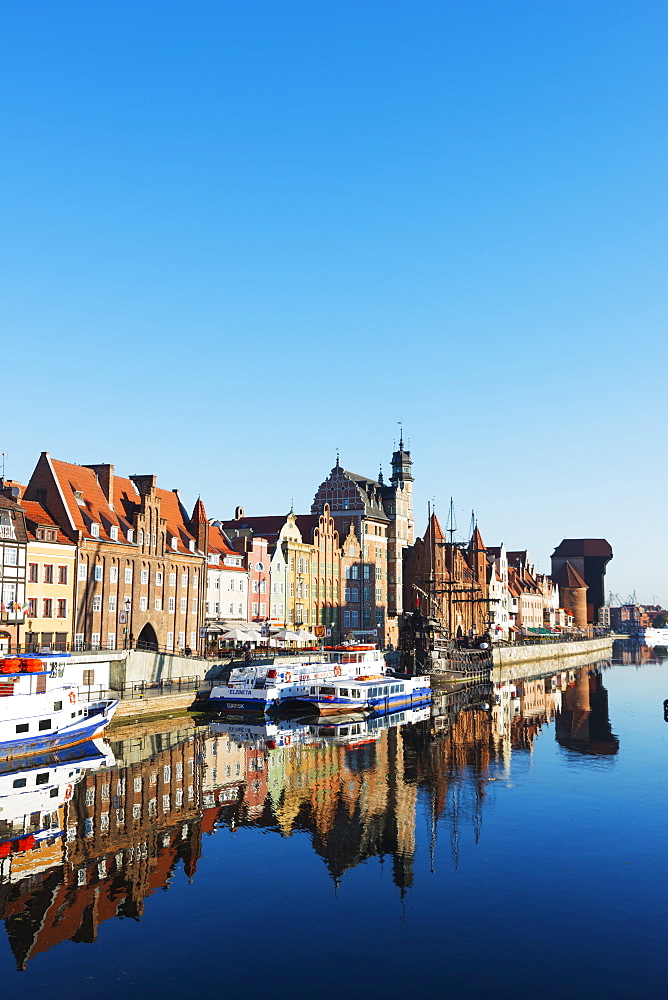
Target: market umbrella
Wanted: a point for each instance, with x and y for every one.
(238, 634)
(302, 634)
(285, 633)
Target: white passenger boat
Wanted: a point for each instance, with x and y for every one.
(355, 727)
(653, 636)
(33, 792)
(40, 710)
(367, 694)
(261, 688)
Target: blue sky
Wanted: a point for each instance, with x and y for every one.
(237, 236)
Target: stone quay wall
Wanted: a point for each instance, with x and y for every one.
(532, 660)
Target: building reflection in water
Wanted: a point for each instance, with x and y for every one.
(109, 826)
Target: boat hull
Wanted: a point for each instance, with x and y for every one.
(87, 729)
(338, 706)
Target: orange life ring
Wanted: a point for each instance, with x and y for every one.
(337, 671)
(288, 676)
(286, 739)
(73, 697)
(68, 792)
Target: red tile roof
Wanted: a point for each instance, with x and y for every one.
(37, 515)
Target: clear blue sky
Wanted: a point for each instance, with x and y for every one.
(236, 235)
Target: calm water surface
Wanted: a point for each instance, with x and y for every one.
(512, 845)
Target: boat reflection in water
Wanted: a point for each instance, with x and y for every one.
(122, 820)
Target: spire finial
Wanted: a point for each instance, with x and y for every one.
(380, 473)
(337, 458)
(401, 434)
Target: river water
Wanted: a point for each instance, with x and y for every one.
(513, 844)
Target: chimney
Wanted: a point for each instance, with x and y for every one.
(145, 484)
(105, 477)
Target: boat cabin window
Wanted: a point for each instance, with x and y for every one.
(343, 692)
(344, 730)
(22, 727)
(327, 690)
(44, 724)
(42, 779)
(354, 693)
(313, 690)
(57, 706)
(19, 782)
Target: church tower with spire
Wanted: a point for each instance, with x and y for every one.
(398, 497)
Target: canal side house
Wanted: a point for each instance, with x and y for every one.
(141, 560)
(49, 620)
(448, 581)
(382, 517)
(13, 549)
(227, 580)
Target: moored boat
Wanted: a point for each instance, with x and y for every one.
(40, 710)
(367, 694)
(262, 688)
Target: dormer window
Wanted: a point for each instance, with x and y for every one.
(46, 534)
(78, 496)
(214, 559)
(131, 535)
(113, 533)
(175, 542)
(95, 529)
(191, 545)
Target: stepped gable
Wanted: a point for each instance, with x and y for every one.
(567, 576)
(347, 491)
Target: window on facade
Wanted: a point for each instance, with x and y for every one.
(158, 579)
(113, 574)
(89, 676)
(48, 573)
(170, 640)
(113, 533)
(111, 640)
(143, 603)
(128, 574)
(172, 579)
(32, 607)
(98, 572)
(112, 602)
(97, 602)
(62, 574)
(157, 604)
(62, 608)
(144, 576)
(47, 608)
(32, 572)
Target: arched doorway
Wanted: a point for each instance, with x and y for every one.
(147, 639)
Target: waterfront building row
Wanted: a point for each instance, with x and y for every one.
(90, 559)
